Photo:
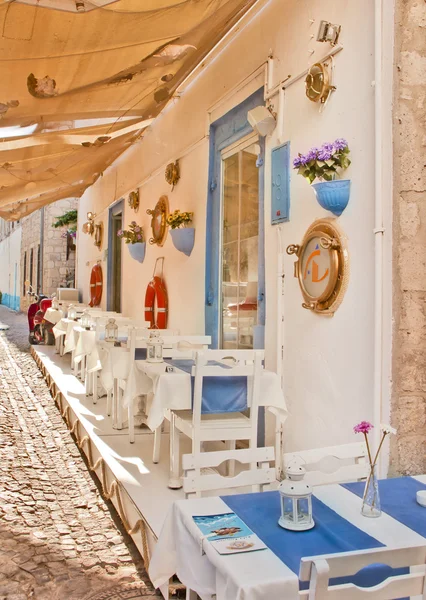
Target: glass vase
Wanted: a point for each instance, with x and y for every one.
(371, 499)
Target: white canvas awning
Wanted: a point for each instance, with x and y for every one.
(81, 80)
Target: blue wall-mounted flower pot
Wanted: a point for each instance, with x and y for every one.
(137, 251)
(183, 239)
(333, 195)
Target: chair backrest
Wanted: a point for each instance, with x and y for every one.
(335, 464)
(101, 321)
(235, 363)
(138, 336)
(184, 346)
(319, 570)
(258, 475)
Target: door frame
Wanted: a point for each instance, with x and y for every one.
(114, 210)
(229, 129)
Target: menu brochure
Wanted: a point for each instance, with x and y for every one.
(228, 534)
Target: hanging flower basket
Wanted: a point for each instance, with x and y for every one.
(183, 239)
(326, 164)
(333, 195)
(137, 251)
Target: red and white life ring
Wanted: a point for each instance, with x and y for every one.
(96, 282)
(156, 290)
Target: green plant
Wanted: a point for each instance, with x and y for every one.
(133, 235)
(178, 219)
(69, 217)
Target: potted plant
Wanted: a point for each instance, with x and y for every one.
(183, 236)
(135, 241)
(325, 164)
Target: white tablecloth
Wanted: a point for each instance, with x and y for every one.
(53, 315)
(252, 575)
(173, 390)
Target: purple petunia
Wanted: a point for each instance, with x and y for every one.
(312, 154)
(340, 144)
(120, 233)
(139, 236)
(137, 229)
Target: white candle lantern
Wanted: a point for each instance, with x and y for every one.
(86, 320)
(55, 303)
(72, 312)
(296, 500)
(154, 345)
(111, 331)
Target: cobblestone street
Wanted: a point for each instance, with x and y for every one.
(59, 539)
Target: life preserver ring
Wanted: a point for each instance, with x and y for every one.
(96, 282)
(156, 290)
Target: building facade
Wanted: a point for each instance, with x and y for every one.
(32, 250)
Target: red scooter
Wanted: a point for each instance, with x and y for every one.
(40, 329)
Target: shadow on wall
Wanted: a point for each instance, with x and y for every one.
(12, 302)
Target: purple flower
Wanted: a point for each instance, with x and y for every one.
(298, 162)
(137, 229)
(363, 427)
(139, 236)
(312, 154)
(120, 233)
(133, 223)
(324, 154)
(340, 144)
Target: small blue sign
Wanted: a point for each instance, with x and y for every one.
(280, 175)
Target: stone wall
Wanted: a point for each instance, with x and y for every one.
(408, 453)
(56, 267)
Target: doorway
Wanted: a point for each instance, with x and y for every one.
(114, 257)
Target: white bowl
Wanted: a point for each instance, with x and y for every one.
(421, 497)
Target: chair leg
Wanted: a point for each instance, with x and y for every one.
(95, 389)
(131, 419)
(230, 445)
(157, 446)
(118, 406)
(109, 403)
(174, 480)
(190, 595)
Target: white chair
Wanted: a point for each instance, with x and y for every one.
(229, 426)
(259, 474)
(320, 569)
(334, 464)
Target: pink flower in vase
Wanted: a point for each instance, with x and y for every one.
(363, 427)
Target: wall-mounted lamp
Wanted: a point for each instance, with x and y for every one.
(262, 120)
(89, 226)
(329, 32)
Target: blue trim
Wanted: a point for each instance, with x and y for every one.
(115, 209)
(225, 131)
(13, 302)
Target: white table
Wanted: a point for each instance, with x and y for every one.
(172, 391)
(257, 575)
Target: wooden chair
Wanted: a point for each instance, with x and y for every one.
(195, 482)
(228, 426)
(335, 464)
(320, 569)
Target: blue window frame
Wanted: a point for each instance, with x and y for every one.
(227, 130)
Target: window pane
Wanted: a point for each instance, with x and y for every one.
(240, 248)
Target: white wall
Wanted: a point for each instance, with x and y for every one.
(10, 256)
(328, 364)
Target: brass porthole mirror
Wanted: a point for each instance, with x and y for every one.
(159, 221)
(318, 83)
(322, 266)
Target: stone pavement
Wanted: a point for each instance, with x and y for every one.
(59, 540)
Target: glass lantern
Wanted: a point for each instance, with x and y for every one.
(72, 312)
(296, 500)
(55, 303)
(86, 320)
(154, 345)
(111, 331)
